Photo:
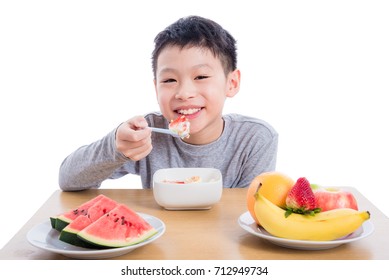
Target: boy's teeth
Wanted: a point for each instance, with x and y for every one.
(188, 112)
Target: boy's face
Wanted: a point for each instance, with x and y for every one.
(191, 81)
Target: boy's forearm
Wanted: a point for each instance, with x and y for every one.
(90, 165)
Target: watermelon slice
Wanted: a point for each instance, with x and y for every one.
(118, 228)
(59, 222)
(69, 233)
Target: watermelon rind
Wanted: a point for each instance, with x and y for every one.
(70, 237)
(120, 227)
(61, 222)
(96, 242)
(53, 220)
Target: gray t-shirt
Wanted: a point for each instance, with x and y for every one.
(246, 148)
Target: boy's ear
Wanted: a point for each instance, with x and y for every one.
(233, 83)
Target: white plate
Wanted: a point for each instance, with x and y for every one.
(45, 237)
(247, 223)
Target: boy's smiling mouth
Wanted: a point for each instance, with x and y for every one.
(189, 112)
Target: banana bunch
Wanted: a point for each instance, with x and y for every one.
(323, 226)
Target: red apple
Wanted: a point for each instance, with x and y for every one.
(333, 198)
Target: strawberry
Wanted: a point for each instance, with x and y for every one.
(301, 199)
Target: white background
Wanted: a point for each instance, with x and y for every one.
(71, 71)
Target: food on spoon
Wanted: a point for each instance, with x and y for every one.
(180, 126)
(323, 226)
(333, 198)
(118, 228)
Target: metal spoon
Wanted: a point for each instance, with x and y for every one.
(165, 131)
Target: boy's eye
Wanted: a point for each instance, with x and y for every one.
(168, 81)
(201, 77)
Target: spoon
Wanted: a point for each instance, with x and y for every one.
(165, 131)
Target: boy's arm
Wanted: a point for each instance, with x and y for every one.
(90, 165)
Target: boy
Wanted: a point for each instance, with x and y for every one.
(194, 67)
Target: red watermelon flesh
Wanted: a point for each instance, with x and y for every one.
(61, 221)
(118, 228)
(101, 207)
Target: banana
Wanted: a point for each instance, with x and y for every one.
(324, 226)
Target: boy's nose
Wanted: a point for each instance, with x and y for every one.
(185, 91)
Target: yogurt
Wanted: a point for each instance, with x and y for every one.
(180, 126)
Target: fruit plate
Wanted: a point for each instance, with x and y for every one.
(45, 237)
(247, 223)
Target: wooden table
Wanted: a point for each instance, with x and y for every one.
(212, 234)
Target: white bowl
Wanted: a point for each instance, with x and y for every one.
(186, 196)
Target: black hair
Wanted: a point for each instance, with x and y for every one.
(195, 31)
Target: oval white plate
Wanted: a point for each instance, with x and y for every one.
(45, 237)
(247, 223)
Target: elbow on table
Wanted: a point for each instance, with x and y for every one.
(67, 184)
